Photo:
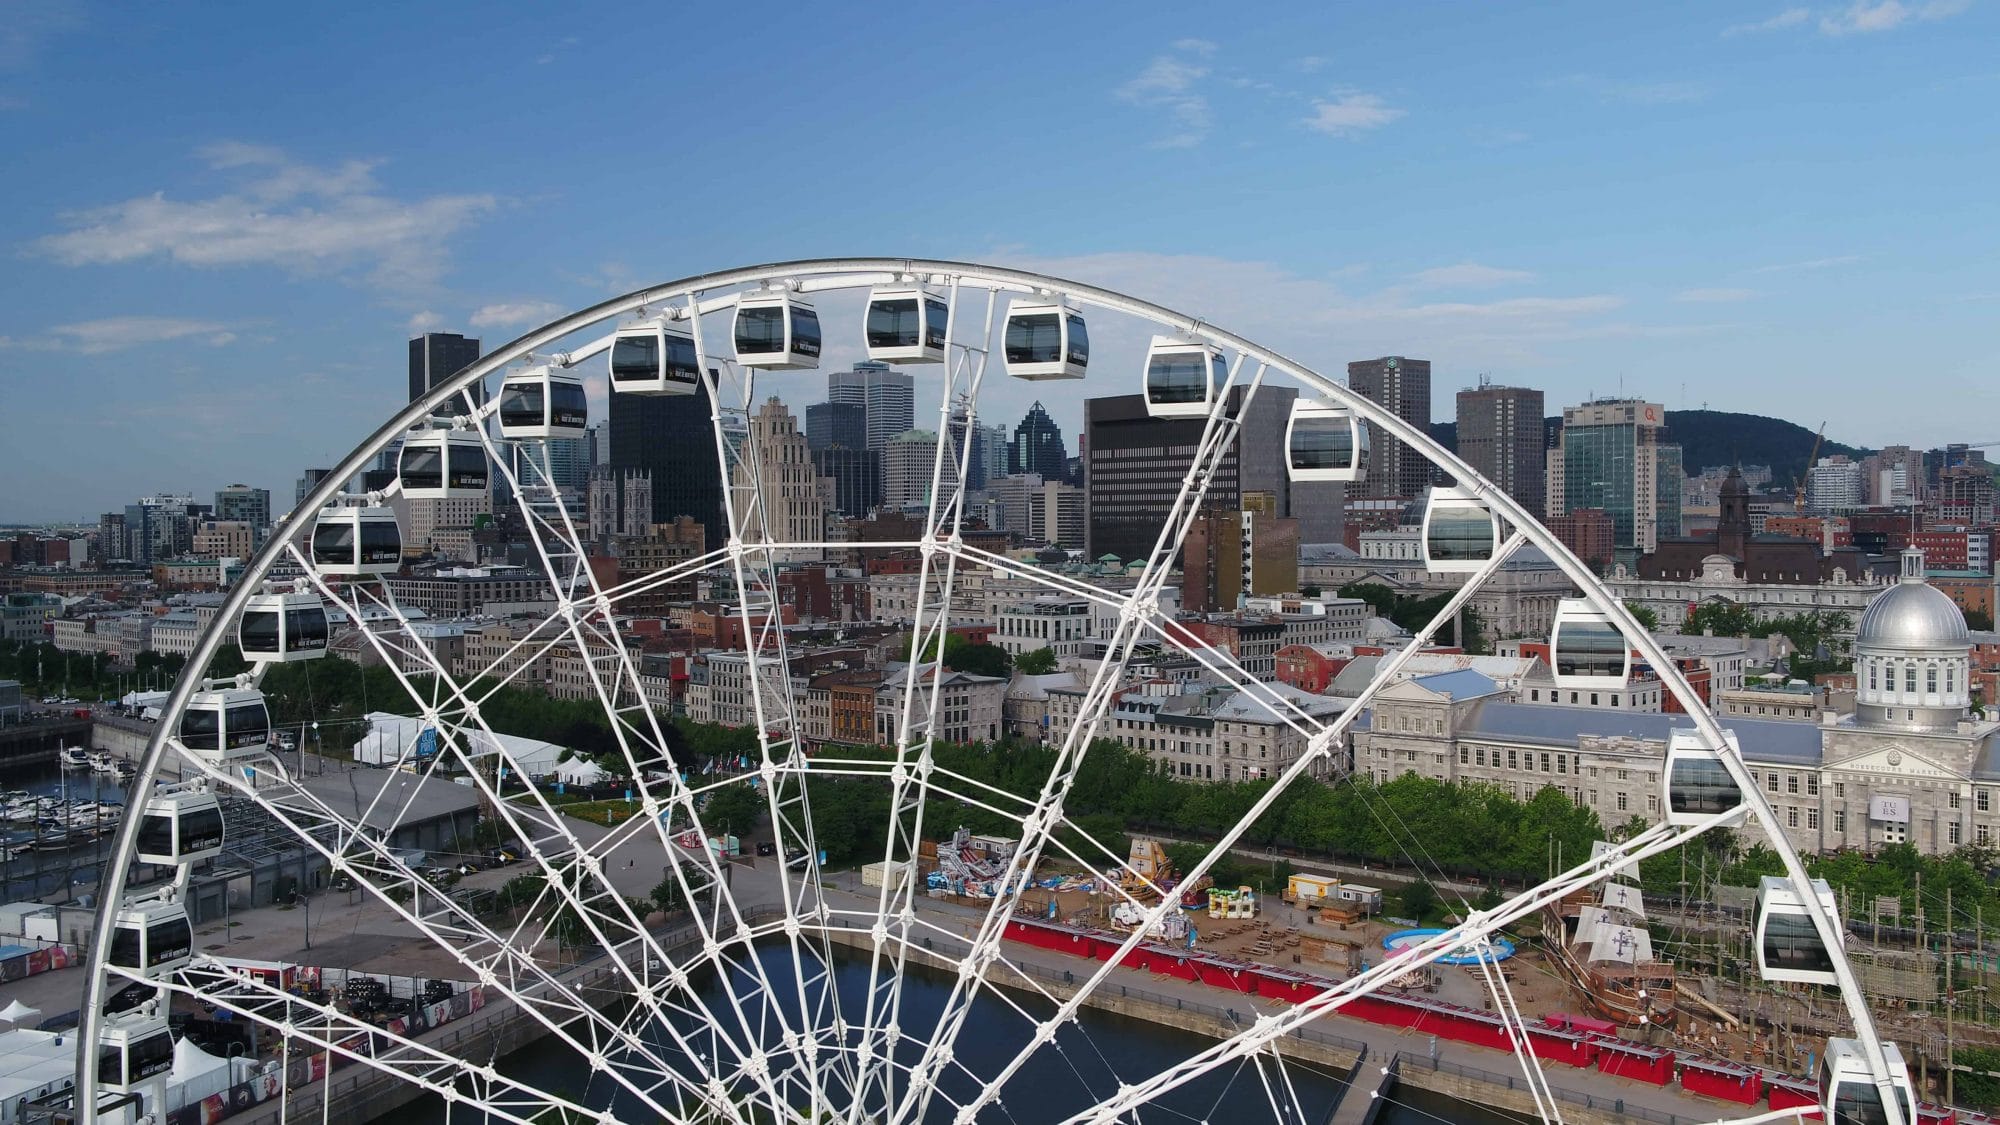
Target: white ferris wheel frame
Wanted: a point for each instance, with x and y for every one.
(873, 1072)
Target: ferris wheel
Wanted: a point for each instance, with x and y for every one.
(774, 988)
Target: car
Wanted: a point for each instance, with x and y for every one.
(767, 848)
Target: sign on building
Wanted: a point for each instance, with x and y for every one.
(1889, 810)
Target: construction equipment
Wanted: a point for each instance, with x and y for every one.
(1799, 482)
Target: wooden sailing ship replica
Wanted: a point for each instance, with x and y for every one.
(1597, 939)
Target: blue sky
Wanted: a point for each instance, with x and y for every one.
(224, 222)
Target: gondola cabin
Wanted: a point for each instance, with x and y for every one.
(776, 330)
(1789, 948)
(226, 723)
(1183, 378)
(1847, 1090)
(1460, 534)
(180, 827)
(282, 628)
(357, 541)
(133, 1051)
(653, 359)
(906, 326)
(541, 403)
(442, 465)
(1699, 786)
(154, 938)
(1325, 442)
(1586, 647)
(1045, 342)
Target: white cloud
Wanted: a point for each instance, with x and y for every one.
(1350, 115)
(1865, 16)
(519, 312)
(118, 333)
(1790, 17)
(424, 321)
(30, 25)
(1710, 296)
(1468, 275)
(299, 217)
(1809, 264)
(1169, 83)
(1195, 46)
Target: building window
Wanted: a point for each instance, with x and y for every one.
(1545, 761)
(1951, 833)
(1982, 834)
(1791, 817)
(1982, 801)
(1621, 800)
(1950, 681)
(1653, 803)
(1910, 678)
(1511, 763)
(1562, 763)
(1792, 783)
(1464, 756)
(1840, 820)
(1771, 783)
(1954, 800)
(1480, 755)
(1840, 789)
(1812, 819)
(1930, 679)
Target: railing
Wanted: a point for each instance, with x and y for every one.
(1520, 1082)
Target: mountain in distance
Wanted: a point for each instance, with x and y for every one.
(1710, 438)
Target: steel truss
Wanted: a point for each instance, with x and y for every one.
(744, 1020)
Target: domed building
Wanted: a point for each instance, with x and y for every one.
(1913, 765)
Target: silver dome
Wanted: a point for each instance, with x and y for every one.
(1914, 616)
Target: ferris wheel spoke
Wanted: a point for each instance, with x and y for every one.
(552, 1002)
(1036, 829)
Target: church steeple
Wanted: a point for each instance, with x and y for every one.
(1732, 525)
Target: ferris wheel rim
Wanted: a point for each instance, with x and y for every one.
(1519, 523)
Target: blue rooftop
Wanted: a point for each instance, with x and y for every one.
(1762, 740)
(1460, 685)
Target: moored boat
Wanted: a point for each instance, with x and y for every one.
(1597, 939)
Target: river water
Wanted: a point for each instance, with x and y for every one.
(1084, 1065)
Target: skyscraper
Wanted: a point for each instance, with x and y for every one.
(1614, 454)
(242, 502)
(1137, 463)
(794, 498)
(1500, 435)
(672, 437)
(887, 396)
(1038, 446)
(307, 482)
(436, 357)
(908, 461)
(1404, 387)
(843, 424)
(856, 476)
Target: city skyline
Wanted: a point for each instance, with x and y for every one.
(1665, 200)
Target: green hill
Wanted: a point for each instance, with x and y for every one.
(1718, 437)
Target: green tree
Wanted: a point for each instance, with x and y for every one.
(1978, 619)
(1039, 662)
(1309, 590)
(1644, 616)
(735, 808)
(1417, 900)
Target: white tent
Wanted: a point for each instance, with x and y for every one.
(142, 699)
(394, 740)
(580, 771)
(17, 1011)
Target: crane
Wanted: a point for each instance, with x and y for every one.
(1799, 482)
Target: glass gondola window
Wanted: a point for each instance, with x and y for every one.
(1182, 375)
(1460, 533)
(1792, 944)
(467, 463)
(1700, 785)
(937, 321)
(248, 724)
(805, 331)
(1079, 341)
(1323, 443)
(421, 466)
(521, 404)
(201, 728)
(649, 357)
(127, 1064)
(568, 407)
(333, 543)
(893, 322)
(259, 632)
(305, 627)
(1035, 338)
(381, 542)
(1589, 648)
(760, 330)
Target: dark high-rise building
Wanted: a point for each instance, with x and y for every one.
(673, 438)
(436, 357)
(1038, 446)
(843, 424)
(1501, 434)
(1136, 464)
(1395, 469)
(857, 478)
(250, 505)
